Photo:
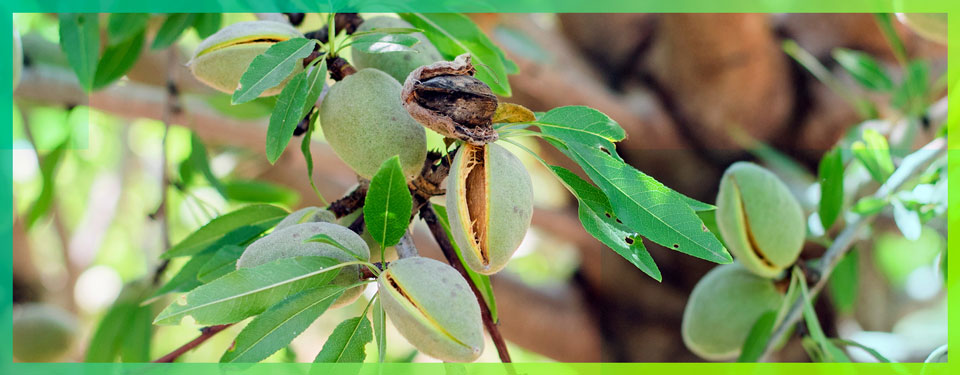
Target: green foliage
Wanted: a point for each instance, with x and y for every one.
(454, 34)
(380, 329)
(278, 325)
(125, 330)
(864, 69)
(844, 282)
(171, 29)
(308, 155)
(831, 187)
(48, 171)
(80, 41)
(388, 205)
(758, 337)
(221, 263)
(231, 228)
(382, 42)
(286, 115)
(123, 26)
(347, 343)
(874, 153)
(481, 281)
(117, 60)
(271, 68)
(250, 291)
(199, 161)
(206, 24)
(255, 191)
(828, 351)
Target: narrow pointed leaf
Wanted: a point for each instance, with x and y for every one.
(207, 24)
(347, 343)
(305, 150)
(271, 68)
(80, 41)
(830, 173)
(383, 43)
(388, 204)
(244, 223)
(286, 115)
(221, 263)
(122, 26)
(315, 84)
(275, 328)
(380, 330)
(48, 173)
(757, 339)
(171, 29)
(864, 69)
(249, 291)
(200, 161)
(117, 60)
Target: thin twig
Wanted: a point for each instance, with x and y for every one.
(430, 217)
(913, 164)
(171, 107)
(205, 334)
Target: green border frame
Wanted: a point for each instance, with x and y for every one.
(952, 7)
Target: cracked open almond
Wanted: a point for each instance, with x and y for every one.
(760, 220)
(433, 308)
(222, 58)
(489, 204)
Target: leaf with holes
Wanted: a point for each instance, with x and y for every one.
(347, 343)
(388, 205)
(270, 68)
(231, 228)
(80, 41)
(250, 291)
(276, 327)
(598, 218)
(454, 34)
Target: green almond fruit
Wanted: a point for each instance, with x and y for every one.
(433, 308)
(222, 58)
(292, 242)
(760, 219)
(365, 124)
(306, 215)
(398, 64)
(489, 204)
(722, 308)
(42, 332)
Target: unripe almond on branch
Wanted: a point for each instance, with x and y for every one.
(398, 64)
(292, 242)
(722, 309)
(760, 219)
(433, 308)
(446, 98)
(365, 124)
(222, 58)
(490, 204)
(306, 215)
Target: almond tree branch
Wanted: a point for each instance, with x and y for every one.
(205, 334)
(912, 165)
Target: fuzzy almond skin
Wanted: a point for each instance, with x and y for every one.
(306, 215)
(397, 64)
(41, 332)
(220, 60)
(759, 218)
(289, 242)
(443, 321)
(509, 207)
(722, 308)
(365, 124)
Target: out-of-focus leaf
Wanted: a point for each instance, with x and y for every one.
(125, 330)
(122, 26)
(347, 343)
(388, 205)
(271, 68)
(874, 153)
(80, 41)
(911, 96)
(48, 171)
(869, 206)
(250, 291)
(117, 60)
(206, 24)
(171, 29)
(844, 282)
(276, 327)
(200, 162)
(907, 220)
(831, 187)
(454, 34)
(830, 352)
(246, 222)
(865, 348)
(758, 337)
(864, 69)
(260, 192)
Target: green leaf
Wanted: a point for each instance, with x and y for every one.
(122, 326)
(347, 343)
(221, 263)
(286, 115)
(757, 339)
(80, 41)
(481, 281)
(388, 205)
(276, 327)
(249, 291)
(48, 171)
(647, 206)
(326, 239)
(911, 96)
(380, 330)
(206, 24)
(599, 219)
(242, 222)
(865, 348)
(864, 69)
(454, 34)
(907, 220)
(831, 187)
(259, 192)
(305, 150)
(172, 27)
(830, 351)
(874, 153)
(383, 42)
(271, 68)
(200, 161)
(869, 206)
(582, 125)
(315, 81)
(844, 282)
(187, 278)
(122, 26)
(117, 60)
